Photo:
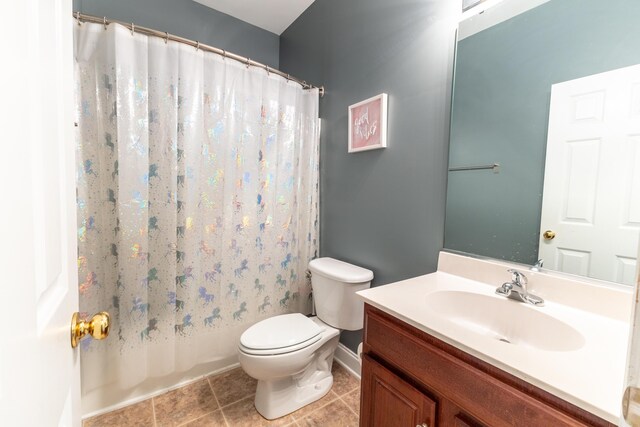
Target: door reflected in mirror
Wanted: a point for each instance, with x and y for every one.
(550, 91)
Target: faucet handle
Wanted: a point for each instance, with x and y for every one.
(505, 289)
(518, 278)
(538, 265)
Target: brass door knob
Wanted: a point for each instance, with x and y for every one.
(549, 235)
(97, 327)
(630, 401)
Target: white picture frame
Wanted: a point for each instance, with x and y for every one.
(368, 124)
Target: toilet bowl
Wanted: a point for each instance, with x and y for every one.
(291, 354)
(293, 376)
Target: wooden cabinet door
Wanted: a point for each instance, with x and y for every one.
(389, 401)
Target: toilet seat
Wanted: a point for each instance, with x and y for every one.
(281, 350)
(280, 334)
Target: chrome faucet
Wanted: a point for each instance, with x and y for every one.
(517, 289)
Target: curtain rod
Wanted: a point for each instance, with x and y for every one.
(80, 17)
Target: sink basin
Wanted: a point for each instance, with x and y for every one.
(505, 320)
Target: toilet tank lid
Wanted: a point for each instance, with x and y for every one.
(340, 270)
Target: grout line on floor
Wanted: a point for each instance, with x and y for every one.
(196, 419)
(348, 406)
(239, 400)
(345, 393)
(224, 418)
(153, 411)
(213, 392)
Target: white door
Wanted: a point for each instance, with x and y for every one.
(591, 198)
(39, 375)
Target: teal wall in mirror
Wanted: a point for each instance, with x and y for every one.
(500, 114)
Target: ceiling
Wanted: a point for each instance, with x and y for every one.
(271, 15)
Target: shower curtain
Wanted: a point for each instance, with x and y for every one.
(197, 200)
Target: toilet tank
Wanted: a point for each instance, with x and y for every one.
(335, 284)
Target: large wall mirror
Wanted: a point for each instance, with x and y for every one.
(545, 136)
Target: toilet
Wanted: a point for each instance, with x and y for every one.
(291, 355)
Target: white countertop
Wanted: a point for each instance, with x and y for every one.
(591, 376)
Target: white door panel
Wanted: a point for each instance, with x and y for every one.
(591, 197)
(39, 375)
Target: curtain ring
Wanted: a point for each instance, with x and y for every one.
(78, 18)
(166, 37)
(197, 46)
(267, 68)
(133, 28)
(224, 54)
(104, 22)
(248, 62)
(288, 78)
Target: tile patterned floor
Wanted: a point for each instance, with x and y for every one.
(226, 400)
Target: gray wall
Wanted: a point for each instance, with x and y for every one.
(192, 20)
(501, 108)
(381, 209)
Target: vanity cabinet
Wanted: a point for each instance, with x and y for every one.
(410, 378)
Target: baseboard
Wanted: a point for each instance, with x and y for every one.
(158, 392)
(348, 359)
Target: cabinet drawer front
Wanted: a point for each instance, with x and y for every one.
(391, 401)
(482, 396)
(461, 421)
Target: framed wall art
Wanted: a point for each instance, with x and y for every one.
(368, 124)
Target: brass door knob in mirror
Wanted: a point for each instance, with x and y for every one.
(97, 327)
(549, 235)
(630, 402)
